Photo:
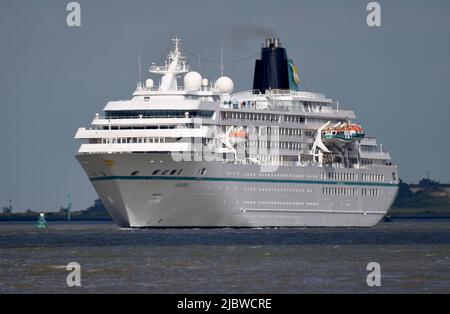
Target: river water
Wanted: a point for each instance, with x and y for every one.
(414, 257)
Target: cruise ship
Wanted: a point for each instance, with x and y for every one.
(186, 152)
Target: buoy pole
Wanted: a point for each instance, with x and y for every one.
(69, 206)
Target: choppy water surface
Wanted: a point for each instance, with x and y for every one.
(414, 257)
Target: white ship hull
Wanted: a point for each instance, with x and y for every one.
(230, 195)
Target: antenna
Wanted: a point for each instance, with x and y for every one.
(69, 206)
(177, 44)
(10, 209)
(221, 60)
(139, 66)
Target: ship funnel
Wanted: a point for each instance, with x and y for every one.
(271, 71)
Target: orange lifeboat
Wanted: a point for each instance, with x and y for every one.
(238, 136)
(346, 132)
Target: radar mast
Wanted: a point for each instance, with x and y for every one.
(175, 64)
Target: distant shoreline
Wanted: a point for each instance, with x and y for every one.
(425, 217)
(49, 219)
(419, 217)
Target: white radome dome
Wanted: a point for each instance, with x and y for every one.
(192, 81)
(224, 85)
(149, 83)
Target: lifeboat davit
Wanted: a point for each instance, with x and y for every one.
(343, 133)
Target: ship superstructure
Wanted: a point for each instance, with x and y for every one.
(198, 155)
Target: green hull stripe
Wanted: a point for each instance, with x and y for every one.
(177, 178)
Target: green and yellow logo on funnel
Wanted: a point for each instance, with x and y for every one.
(294, 77)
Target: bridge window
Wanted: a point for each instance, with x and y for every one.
(157, 113)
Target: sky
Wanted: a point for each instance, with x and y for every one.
(54, 78)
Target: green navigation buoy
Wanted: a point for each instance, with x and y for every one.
(41, 224)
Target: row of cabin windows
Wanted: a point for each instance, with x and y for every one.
(175, 172)
(286, 131)
(134, 140)
(167, 171)
(158, 114)
(280, 145)
(369, 149)
(143, 127)
(366, 162)
(309, 106)
(282, 203)
(372, 177)
(370, 192)
(274, 175)
(349, 191)
(353, 176)
(299, 105)
(340, 191)
(342, 176)
(262, 117)
(288, 145)
(275, 130)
